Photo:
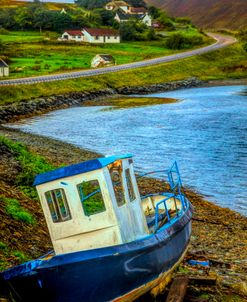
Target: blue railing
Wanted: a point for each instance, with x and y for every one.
(175, 182)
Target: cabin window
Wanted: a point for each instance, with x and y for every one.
(91, 197)
(116, 177)
(131, 191)
(58, 205)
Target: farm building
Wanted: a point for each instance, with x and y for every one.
(4, 69)
(101, 60)
(72, 35)
(101, 35)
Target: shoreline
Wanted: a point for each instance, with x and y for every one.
(16, 111)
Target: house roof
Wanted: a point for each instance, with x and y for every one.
(72, 170)
(125, 16)
(138, 10)
(74, 32)
(102, 31)
(106, 57)
(3, 64)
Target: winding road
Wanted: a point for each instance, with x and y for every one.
(221, 41)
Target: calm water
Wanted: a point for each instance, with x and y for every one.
(206, 132)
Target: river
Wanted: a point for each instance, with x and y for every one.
(206, 132)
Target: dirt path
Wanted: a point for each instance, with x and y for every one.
(221, 41)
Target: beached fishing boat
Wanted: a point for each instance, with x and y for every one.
(110, 244)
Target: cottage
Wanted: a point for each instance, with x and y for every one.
(72, 35)
(101, 60)
(4, 69)
(121, 16)
(115, 5)
(101, 35)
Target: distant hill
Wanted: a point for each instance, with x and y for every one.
(49, 5)
(230, 14)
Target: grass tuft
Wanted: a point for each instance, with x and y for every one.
(31, 165)
(16, 211)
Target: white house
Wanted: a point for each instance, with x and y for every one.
(101, 35)
(72, 35)
(4, 69)
(146, 19)
(115, 5)
(121, 16)
(101, 60)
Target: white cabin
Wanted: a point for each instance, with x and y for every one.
(92, 204)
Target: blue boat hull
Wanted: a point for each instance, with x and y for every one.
(105, 274)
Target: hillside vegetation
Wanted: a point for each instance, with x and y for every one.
(208, 13)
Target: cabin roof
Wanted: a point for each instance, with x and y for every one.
(80, 168)
(3, 64)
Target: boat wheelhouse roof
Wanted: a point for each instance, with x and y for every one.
(80, 168)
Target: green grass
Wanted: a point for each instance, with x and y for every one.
(20, 256)
(227, 63)
(3, 246)
(16, 211)
(23, 37)
(127, 102)
(31, 165)
(32, 53)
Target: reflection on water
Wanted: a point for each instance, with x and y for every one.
(206, 133)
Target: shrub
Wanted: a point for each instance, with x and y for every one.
(180, 41)
(245, 46)
(47, 66)
(4, 31)
(36, 67)
(16, 211)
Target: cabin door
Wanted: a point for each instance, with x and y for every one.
(121, 207)
(134, 203)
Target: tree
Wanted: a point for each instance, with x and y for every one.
(91, 4)
(154, 12)
(61, 21)
(7, 18)
(106, 16)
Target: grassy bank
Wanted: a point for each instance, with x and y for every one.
(24, 234)
(127, 102)
(227, 63)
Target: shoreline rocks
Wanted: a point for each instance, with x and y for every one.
(17, 111)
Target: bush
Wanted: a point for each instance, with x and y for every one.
(180, 41)
(4, 31)
(245, 46)
(36, 67)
